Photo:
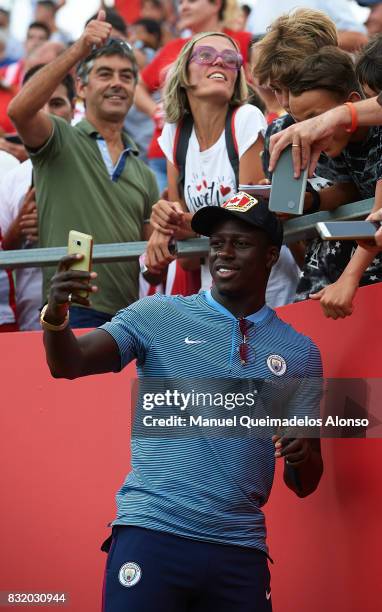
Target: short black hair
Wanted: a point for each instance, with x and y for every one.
(330, 69)
(222, 8)
(156, 3)
(114, 18)
(255, 99)
(67, 82)
(368, 66)
(152, 26)
(246, 9)
(48, 4)
(41, 26)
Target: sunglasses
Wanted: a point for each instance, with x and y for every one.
(112, 43)
(206, 56)
(126, 46)
(123, 45)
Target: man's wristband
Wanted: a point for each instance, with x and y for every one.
(49, 326)
(354, 118)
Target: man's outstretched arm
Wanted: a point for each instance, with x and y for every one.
(25, 110)
(69, 356)
(310, 137)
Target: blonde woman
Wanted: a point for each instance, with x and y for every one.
(206, 84)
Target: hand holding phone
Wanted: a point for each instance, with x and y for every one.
(287, 193)
(70, 283)
(348, 230)
(82, 244)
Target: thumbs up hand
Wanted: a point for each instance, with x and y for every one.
(95, 34)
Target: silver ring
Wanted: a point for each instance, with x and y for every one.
(296, 145)
(70, 298)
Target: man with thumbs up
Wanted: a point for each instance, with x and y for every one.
(88, 177)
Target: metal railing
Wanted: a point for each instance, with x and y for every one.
(295, 229)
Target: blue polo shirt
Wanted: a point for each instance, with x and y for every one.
(205, 482)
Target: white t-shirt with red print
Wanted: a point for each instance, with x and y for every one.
(209, 176)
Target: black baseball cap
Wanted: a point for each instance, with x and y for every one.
(242, 206)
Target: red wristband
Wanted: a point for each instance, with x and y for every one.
(354, 118)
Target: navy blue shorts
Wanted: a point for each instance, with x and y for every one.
(154, 571)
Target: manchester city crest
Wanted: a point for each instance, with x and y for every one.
(277, 365)
(129, 574)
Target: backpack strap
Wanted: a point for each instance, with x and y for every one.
(231, 142)
(182, 138)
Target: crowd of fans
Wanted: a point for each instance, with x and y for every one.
(193, 90)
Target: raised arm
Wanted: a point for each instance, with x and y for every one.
(25, 110)
(337, 299)
(310, 137)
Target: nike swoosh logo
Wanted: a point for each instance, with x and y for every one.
(188, 341)
(268, 595)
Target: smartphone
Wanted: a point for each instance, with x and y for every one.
(287, 193)
(347, 230)
(262, 191)
(83, 244)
